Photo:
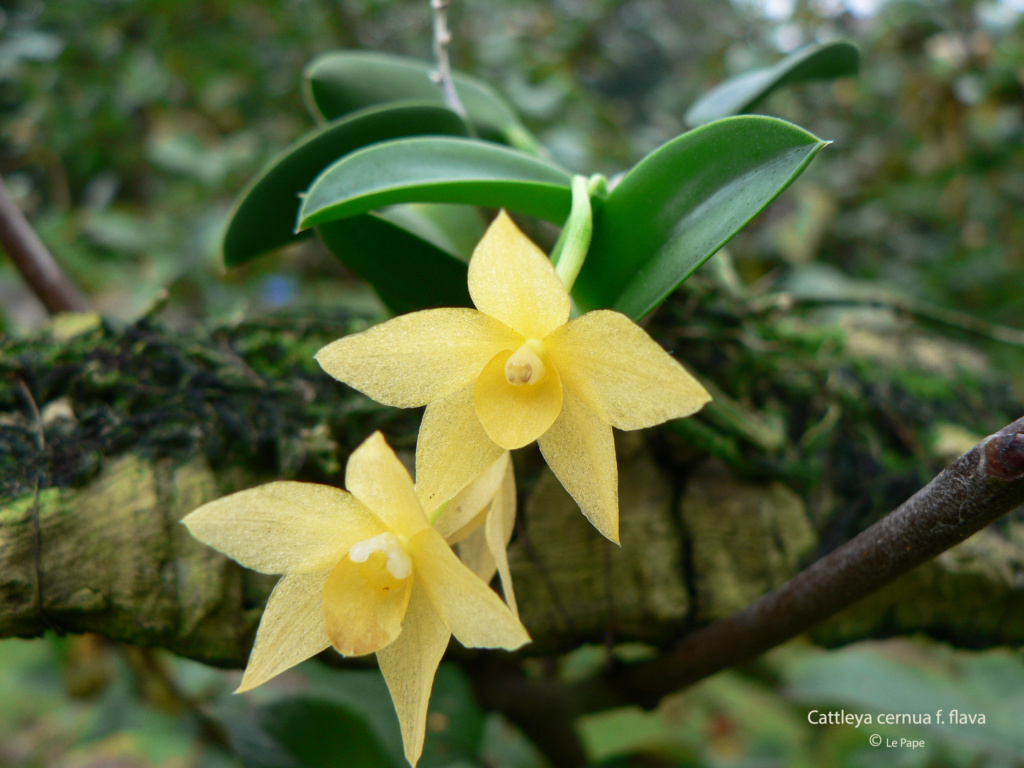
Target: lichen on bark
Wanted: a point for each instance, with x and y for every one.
(109, 434)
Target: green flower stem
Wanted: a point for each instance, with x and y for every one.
(571, 249)
(597, 185)
(434, 516)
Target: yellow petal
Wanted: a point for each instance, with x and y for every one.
(291, 630)
(415, 359)
(409, 665)
(482, 543)
(376, 477)
(515, 415)
(498, 527)
(485, 550)
(471, 501)
(452, 449)
(284, 527)
(475, 554)
(580, 450)
(363, 605)
(621, 373)
(512, 280)
(474, 612)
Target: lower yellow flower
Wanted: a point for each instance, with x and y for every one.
(515, 370)
(364, 571)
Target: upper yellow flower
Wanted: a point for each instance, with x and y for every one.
(517, 371)
(364, 571)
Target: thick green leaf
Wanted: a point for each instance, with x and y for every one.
(458, 722)
(407, 272)
(265, 213)
(438, 170)
(337, 83)
(455, 725)
(825, 61)
(362, 691)
(455, 229)
(682, 203)
(308, 732)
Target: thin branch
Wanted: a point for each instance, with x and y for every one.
(443, 75)
(980, 487)
(34, 261)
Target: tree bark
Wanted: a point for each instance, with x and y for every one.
(109, 435)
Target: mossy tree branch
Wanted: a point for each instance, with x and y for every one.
(109, 435)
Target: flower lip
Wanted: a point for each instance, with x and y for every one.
(398, 562)
(526, 364)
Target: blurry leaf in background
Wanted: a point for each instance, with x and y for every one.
(338, 83)
(329, 717)
(455, 724)
(824, 61)
(438, 170)
(681, 203)
(123, 231)
(265, 213)
(183, 152)
(799, 237)
(30, 45)
(73, 702)
(308, 732)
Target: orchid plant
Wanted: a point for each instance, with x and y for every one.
(502, 344)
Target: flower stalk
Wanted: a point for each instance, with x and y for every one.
(570, 250)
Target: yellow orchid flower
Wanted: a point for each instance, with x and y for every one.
(515, 370)
(364, 571)
(479, 521)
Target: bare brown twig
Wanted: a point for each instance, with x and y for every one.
(34, 261)
(443, 75)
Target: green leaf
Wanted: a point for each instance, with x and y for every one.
(337, 83)
(362, 691)
(824, 61)
(307, 732)
(408, 272)
(438, 170)
(458, 723)
(455, 229)
(682, 203)
(265, 213)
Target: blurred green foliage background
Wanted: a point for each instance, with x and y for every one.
(127, 127)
